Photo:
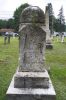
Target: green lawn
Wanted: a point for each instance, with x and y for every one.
(8, 64)
(55, 59)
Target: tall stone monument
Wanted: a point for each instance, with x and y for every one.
(49, 44)
(31, 80)
(45, 27)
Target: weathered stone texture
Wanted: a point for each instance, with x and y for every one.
(32, 14)
(31, 80)
(32, 45)
(31, 93)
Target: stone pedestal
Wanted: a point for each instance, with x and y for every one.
(49, 46)
(40, 88)
(31, 80)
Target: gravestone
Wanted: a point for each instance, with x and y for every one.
(31, 80)
(62, 37)
(49, 44)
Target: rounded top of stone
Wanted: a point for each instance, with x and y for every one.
(32, 14)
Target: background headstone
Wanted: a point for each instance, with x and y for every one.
(48, 38)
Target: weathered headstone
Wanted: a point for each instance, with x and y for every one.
(62, 37)
(32, 44)
(48, 38)
(31, 81)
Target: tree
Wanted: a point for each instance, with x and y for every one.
(51, 16)
(17, 14)
(61, 20)
(56, 25)
(3, 23)
(7, 23)
(10, 23)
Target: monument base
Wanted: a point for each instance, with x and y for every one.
(49, 46)
(31, 79)
(30, 93)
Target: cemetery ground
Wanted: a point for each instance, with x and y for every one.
(55, 59)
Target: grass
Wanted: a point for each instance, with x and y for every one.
(8, 64)
(55, 58)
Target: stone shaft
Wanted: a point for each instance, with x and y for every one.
(32, 48)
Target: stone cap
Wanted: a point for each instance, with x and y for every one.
(32, 14)
(43, 74)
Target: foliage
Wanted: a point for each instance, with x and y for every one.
(3, 23)
(55, 24)
(58, 27)
(61, 20)
(10, 23)
(13, 23)
(17, 14)
(61, 16)
(7, 23)
(8, 64)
